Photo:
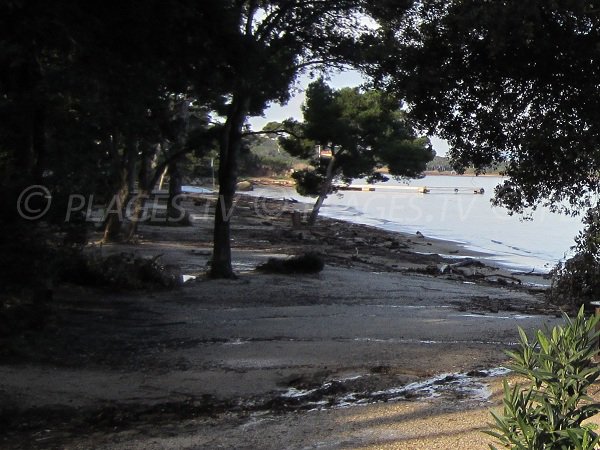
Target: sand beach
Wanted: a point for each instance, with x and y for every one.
(398, 343)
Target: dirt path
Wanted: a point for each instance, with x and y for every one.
(363, 355)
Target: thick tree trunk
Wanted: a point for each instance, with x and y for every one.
(230, 146)
(175, 211)
(174, 189)
(325, 189)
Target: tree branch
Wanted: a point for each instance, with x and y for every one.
(278, 131)
(339, 63)
(158, 170)
(252, 8)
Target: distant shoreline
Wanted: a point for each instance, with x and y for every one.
(271, 181)
(435, 173)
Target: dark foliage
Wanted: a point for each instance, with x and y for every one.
(512, 82)
(301, 264)
(123, 271)
(308, 181)
(577, 281)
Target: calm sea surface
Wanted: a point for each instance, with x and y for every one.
(459, 216)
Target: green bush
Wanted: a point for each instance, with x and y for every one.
(549, 413)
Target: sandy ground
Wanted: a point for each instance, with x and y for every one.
(386, 348)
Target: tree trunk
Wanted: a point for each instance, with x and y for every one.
(135, 212)
(148, 178)
(131, 162)
(162, 178)
(325, 189)
(229, 149)
(115, 209)
(174, 189)
(175, 212)
(136, 209)
(114, 219)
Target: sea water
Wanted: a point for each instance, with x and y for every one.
(461, 216)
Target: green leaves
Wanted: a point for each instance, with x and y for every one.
(366, 131)
(549, 413)
(528, 97)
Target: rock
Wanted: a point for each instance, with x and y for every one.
(477, 373)
(432, 269)
(244, 186)
(392, 245)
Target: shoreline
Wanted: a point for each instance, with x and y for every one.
(468, 220)
(387, 314)
(418, 244)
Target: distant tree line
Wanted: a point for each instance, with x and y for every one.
(265, 157)
(445, 165)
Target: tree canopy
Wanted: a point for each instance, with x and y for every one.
(266, 45)
(514, 82)
(364, 132)
(83, 86)
(91, 93)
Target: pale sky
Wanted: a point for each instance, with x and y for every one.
(277, 113)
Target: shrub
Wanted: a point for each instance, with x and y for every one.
(123, 271)
(549, 413)
(577, 281)
(306, 263)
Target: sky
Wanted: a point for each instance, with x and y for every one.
(350, 78)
